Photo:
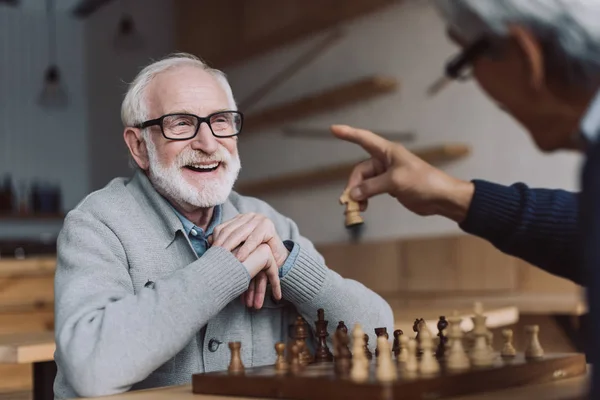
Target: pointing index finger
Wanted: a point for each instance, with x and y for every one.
(372, 143)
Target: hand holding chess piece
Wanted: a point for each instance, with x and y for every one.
(352, 211)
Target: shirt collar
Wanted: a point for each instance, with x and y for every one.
(189, 225)
(590, 124)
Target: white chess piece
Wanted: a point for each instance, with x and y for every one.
(457, 359)
(412, 364)
(508, 350)
(403, 355)
(360, 364)
(429, 364)
(481, 356)
(386, 370)
(534, 348)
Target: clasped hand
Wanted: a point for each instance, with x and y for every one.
(252, 238)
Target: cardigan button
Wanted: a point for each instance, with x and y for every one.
(213, 345)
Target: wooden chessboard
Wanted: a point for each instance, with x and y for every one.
(320, 382)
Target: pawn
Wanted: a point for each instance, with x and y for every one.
(508, 349)
(281, 365)
(441, 325)
(295, 366)
(534, 348)
(396, 346)
(342, 326)
(429, 364)
(386, 370)
(412, 364)
(235, 365)
(403, 354)
(368, 353)
(360, 364)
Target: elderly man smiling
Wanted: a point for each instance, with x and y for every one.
(145, 296)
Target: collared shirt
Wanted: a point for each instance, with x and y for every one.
(590, 123)
(199, 238)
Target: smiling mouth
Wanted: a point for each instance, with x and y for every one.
(203, 167)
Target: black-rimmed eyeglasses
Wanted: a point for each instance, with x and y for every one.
(181, 126)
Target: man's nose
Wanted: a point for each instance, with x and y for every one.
(205, 140)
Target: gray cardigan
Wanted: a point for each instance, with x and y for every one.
(136, 308)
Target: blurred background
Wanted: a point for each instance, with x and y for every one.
(296, 66)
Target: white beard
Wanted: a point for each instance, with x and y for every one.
(169, 181)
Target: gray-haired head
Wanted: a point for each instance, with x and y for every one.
(568, 30)
(134, 108)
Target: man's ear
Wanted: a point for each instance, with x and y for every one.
(531, 50)
(137, 147)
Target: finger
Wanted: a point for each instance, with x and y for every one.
(364, 170)
(372, 187)
(272, 273)
(372, 143)
(234, 236)
(253, 240)
(261, 289)
(278, 249)
(222, 231)
(250, 295)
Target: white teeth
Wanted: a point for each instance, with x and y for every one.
(206, 166)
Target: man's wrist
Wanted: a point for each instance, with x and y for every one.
(289, 262)
(455, 204)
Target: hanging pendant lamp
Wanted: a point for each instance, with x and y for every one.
(53, 94)
(128, 38)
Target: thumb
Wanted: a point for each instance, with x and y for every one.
(371, 187)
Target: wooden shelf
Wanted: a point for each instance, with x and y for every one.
(323, 175)
(31, 217)
(321, 102)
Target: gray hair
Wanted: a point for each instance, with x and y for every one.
(568, 30)
(134, 108)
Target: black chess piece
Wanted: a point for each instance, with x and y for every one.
(342, 326)
(322, 353)
(301, 334)
(343, 361)
(441, 325)
(380, 332)
(396, 345)
(367, 351)
(416, 327)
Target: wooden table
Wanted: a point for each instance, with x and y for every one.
(36, 349)
(567, 389)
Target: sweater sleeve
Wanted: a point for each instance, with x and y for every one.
(110, 336)
(539, 226)
(311, 285)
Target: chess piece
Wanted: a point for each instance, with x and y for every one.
(402, 356)
(322, 353)
(481, 356)
(368, 353)
(342, 326)
(281, 365)
(534, 348)
(344, 356)
(360, 363)
(352, 211)
(386, 370)
(380, 332)
(428, 365)
(456, 357)
(396, 346)
(235, 365)
(301, 334)
(417, 326)
(295, 365)
(441, 325)
(412, 364)
(508, 349)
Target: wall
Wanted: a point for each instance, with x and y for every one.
(108, 72)
(34, 142)
(406, 41)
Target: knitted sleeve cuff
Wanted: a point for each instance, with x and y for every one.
(494, 211)
(305, 280)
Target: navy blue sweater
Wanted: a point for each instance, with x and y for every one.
(539, 226)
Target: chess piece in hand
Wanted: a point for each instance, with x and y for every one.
(392, 169)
